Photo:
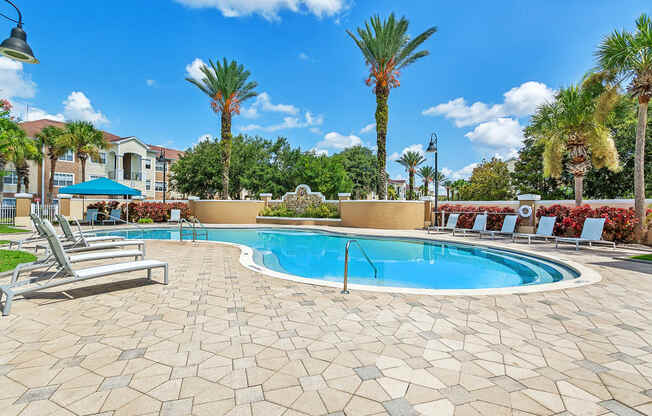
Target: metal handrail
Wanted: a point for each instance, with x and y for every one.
(193, 225)
(345, 289)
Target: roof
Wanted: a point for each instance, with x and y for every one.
(396, 181)
(32, 128)
(99, 186)
(172, 154)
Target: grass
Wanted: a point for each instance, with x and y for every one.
(9, 259)
(646, 257)
(5, 229)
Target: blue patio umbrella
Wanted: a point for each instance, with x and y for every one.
(100, 186)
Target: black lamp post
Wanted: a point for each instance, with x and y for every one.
(161, 159)
(16, 47)
(432, 148)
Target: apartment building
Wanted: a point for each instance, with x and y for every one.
(128, 160)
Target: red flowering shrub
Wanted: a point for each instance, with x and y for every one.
(103, 208)
(494, 221)
(157, 211)
(619, 224)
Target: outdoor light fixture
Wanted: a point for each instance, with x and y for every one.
(16, 47)
(161, 159)
(432, 148)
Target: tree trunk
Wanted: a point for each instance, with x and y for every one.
(53, 167)
(83, 166)
(382, 94)
(639, 165)
(3, 162)
(579, 188)
(425, 187)
(226, 153)
(411, 187)
(19, 185)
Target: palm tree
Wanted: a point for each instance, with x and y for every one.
(8, 131)
(387, 48)
(20, 149)
(427, 173)
(226, 85)
(448, 184)
(629, 57)
(58, 142)
(410, 160)
(573, 126)
(86, 141)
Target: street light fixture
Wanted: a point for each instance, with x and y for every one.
(432, 148)
(161, 159)
(16, 47)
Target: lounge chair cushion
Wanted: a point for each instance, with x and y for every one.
(118, 268)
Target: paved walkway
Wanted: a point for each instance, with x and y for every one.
(224, 340)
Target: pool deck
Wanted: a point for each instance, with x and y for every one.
(222, 339)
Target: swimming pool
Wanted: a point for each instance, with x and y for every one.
(400, 263)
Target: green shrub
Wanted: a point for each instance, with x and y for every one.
(145, 221)
(321, 211)
(313, 211)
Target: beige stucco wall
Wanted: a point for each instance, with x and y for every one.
(226, 212)
(393, 215)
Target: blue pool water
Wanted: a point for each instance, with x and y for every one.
(400, 263)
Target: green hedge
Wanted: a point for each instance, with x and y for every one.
(312, 211)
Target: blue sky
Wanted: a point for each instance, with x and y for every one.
(122, 64)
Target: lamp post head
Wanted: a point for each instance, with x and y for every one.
(432, 146)
(16, 47)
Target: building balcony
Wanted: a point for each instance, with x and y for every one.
(132, 176)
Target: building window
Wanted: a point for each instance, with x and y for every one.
(101, 159)
(9, 202)
(96, 177)
(148, 163)
(160, 186)
(10, 178)
(159, 166)
(68, 156)
(148, 185)
(63, 179)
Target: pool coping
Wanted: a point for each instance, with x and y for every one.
(587, 275)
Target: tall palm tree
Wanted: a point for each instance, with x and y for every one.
(572, 126)
(448, 184)
(629, 57)
(21, 149)
(227, 86)
(86, 141)
(387, 48)
(411, 160)
(427, 173)
(57, 142)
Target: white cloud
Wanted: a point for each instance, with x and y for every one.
(463, 173)
(264, 102)
(78, 107)
(303, 56)
(519, 101)
(269, 9)
(288, 123)
(367, 128)
(150, 82)
(193, 69)
(499, 133)
(39, 114)
(337, 141)
(14, 83)
(411, 148)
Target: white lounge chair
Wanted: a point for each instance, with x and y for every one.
(74, 237)
(591, 233)
(65, 273)
(479, 225)
(175, 215)
(451, 223)
(508, 227)
(544, 230)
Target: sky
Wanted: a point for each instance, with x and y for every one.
(122, 66)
